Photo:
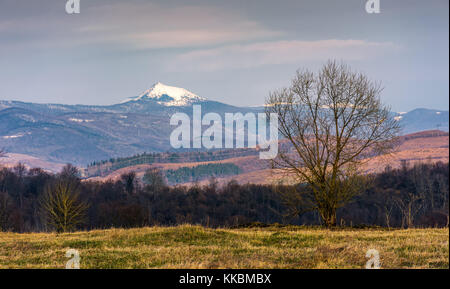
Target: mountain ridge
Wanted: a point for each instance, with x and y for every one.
(80, 134)
(168, 95)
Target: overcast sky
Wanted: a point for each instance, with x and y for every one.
(230, 51)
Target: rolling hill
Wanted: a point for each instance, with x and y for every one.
(427, 146)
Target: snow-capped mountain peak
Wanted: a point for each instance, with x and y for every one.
(168, 95)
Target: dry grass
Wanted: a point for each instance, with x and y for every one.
(198, 247)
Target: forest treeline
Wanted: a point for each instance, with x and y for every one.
(33, 200)
(200, 172)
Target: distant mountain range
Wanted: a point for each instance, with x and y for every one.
(80, 134)
(421, 119)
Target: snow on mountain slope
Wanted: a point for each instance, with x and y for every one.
(422, 119)
(168, 95)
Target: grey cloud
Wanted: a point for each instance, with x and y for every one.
(277, 52)
(135, 25)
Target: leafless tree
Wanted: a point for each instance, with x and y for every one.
(69, 171)
(5, 210)
(388, 207)
(130, 182)
(412, 201)
(154, 178)
(62, 207)
(333, 120)
(410, 204)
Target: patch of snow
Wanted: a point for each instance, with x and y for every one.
(438, 112)
(56, 107)
(402, 112)
(397, 118)
(168, 95)
(27, 117)
(15, 135)
(80, 120)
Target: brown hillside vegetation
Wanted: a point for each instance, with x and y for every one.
(12, 159)
(247, 164)
(427, 146)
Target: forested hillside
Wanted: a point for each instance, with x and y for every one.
(102, 168)
(197, 173)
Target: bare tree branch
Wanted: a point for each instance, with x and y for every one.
(333, 120)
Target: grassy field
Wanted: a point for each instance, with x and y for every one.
(198, 247)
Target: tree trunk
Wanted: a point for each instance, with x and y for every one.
(410, 217)
(328, 217)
